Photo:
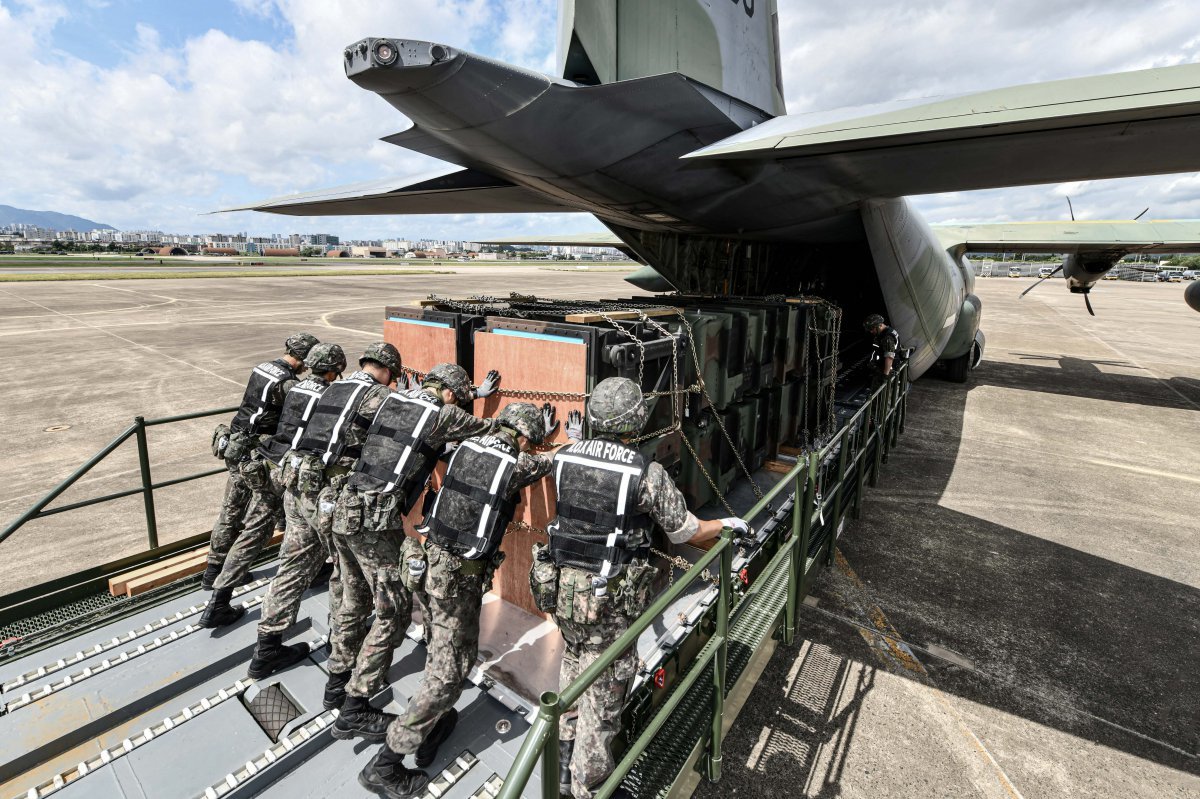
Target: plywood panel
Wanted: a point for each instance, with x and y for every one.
(529, 364)
(421, 346)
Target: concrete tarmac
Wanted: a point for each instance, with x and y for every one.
(1032, 544)
(1017, 613)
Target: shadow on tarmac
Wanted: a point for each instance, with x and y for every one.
(1052, 634)
(1079, 377)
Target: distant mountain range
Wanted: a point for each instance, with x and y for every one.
(48, 219)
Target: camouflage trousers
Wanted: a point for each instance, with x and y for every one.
(304, 550)
(253, 500)
(589, 625)
(372, 580)
(453, 601)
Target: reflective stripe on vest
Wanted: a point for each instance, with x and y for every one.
(471, 509)
(390, 454)
(293, 419)
(257, 413)
(323, 435)
(596, 526)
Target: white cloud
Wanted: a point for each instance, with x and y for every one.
(168, 132)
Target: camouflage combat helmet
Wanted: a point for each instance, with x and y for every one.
(384, 354)
(453, 377)
(299, 344)
(324, 358)
(526, 419)
(616, 406)
(872, 320)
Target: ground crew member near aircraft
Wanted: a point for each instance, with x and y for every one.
(254, 423)
(380, 566)
(326, 361)
(604, 579)
(463, 533)
(885, 346)
(312, 472)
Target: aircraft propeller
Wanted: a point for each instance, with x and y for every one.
(1086, 300)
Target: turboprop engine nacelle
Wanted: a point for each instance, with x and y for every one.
(1084, 270)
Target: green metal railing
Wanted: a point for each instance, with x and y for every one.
(137, 430)
(854, 454)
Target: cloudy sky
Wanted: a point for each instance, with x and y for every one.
(145, 114)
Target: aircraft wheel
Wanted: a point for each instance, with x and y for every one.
(957, 368)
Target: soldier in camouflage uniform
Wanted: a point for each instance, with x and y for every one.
(602, 484)
(464, 531)
(885, 346)
(319, 462)
(244, 518)
(381, 566)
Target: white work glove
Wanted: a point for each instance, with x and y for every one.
(575, 426)
(488, 387)
(741, 529)
(549, 423)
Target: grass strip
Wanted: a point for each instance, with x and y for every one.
(52, 276)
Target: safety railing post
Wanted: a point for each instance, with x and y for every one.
(877, 436)
(550, 710)
(885, 434)
(795, 572)
(808, 499)
(903, 396)
(719, 660)
(147, 483)
(839, 498)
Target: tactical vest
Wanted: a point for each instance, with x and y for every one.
(472, 510)
(597, 527)
(298, 406)
(880, 344)
(325, 434)
(395, 457)
(259, 412)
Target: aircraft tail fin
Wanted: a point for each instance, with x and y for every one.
(730, 45)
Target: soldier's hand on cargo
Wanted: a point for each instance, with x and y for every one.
(488, 387)
(741, 528)
(575, 426)
(549, 423)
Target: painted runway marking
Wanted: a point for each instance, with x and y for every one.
(107, 332)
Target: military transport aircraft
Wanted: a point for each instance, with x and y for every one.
(668, 125)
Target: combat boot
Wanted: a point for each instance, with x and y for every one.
(386, 775)
(565, 748)
(335, 689)
(211, 573)
(359, 720)
(219, 612)
(271, 655)
(427, 751)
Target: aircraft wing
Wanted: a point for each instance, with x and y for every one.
(1073, 237)
(448, 191)
(1132, 123)
(601, 239)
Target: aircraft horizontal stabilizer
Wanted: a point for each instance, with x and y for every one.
(1073, 237)
(1108, 126)
(448, 191)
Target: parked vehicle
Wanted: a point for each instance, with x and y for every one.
(1014, 271)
